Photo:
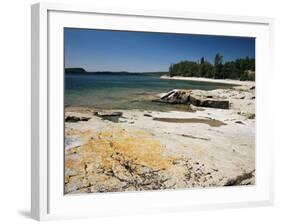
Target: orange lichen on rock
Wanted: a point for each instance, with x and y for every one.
(116, 159)
(137, 146)
(114, 156)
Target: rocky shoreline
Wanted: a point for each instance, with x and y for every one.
(133, 150)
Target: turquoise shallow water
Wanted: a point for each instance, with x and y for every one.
(125, 91)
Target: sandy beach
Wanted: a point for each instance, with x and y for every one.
(134, 150)
(223, 81)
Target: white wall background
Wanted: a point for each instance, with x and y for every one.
(15, 110)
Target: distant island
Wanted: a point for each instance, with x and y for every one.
(75, 70)
(82, 71)
(240, 69)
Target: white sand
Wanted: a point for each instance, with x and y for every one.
(223, 81)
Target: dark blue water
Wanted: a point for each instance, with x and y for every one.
(125, 91)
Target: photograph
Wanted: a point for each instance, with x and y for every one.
(157, 111)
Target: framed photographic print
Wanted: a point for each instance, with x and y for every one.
(139, 111)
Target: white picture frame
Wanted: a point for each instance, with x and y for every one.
(48, 201)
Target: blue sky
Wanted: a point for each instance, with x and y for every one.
(104, 50)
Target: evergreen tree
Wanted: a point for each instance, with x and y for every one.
(218, 65)
(242, 68)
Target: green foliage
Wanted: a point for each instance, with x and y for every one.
(188, 68)
(242, 69)
(218, 66)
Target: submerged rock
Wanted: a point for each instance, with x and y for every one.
(76, 119)
(239, 122)
(197, 98)
(210, 122)
(110, 116)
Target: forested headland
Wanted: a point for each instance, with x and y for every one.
(239, 69)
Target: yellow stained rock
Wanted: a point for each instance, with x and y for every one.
(137, 146)
(115, 160)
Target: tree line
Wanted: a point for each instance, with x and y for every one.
(241, 69)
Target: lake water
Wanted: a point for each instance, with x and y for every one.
(125, 91)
